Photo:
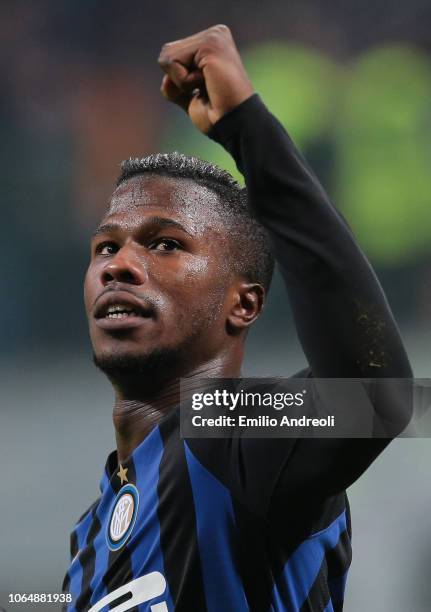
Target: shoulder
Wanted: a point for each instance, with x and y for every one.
(88, 512)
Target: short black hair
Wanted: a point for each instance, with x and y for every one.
(251, 252)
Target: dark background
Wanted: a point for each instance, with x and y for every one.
(351, 81)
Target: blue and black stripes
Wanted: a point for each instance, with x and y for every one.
(195, 531)
(307, 583)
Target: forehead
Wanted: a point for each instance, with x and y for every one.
(180, 198)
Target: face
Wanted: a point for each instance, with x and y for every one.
(159, 278)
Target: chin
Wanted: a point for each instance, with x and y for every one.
(128, 366)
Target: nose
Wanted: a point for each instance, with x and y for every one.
(125, 266)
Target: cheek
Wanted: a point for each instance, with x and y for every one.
(206, 286)
(191, 272)
(194, 282)
(194, 291)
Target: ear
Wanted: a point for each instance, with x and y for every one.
(247, 301)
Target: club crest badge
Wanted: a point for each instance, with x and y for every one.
(123, 516)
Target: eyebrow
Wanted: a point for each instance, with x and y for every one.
(160, 222)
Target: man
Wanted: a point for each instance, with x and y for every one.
(179, 271)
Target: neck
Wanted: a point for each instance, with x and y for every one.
(139, 408)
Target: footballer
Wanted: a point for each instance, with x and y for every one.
(180, 268)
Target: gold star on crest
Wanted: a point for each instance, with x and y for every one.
(122, 474)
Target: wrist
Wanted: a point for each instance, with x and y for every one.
(232, 121)
(241, 94)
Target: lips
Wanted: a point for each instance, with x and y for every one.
(120, 310)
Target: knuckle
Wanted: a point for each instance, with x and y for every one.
(164, 59)
(216, 35)
(213, 40)
(222, 28)
(222, 31)
(164, 55)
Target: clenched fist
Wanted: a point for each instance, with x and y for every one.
(204, 75)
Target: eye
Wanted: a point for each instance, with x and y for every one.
(106, 248)
(165, 244)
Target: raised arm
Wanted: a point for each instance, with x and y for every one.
(342, 317)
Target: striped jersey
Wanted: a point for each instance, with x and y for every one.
(202, 525)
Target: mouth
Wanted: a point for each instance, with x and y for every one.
(120, 310)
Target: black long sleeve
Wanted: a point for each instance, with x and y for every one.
(342, 316)
(343, 320)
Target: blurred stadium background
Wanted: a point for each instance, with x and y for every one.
(351, 81)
